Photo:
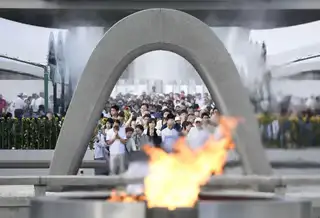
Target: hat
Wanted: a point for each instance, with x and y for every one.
(164, 107)
(198, 119)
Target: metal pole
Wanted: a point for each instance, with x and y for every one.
(46, 88)
(60, 56)
(62, 98)
(55, 105)
(52, 77)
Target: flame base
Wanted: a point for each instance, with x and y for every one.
(186, 212)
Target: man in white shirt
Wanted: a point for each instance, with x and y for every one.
(198, 135)
(311, 103)
(33, 103)
(18, 105)
(116, 139)
(169, 135)
(40, 101)
(199, 100)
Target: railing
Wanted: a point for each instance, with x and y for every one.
(90, 164)
(45, 164)
(41, 183)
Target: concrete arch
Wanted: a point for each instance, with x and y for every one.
(141, 32)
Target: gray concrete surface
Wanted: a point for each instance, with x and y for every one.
(283, 155)
(33, 155)
(226, 209)
(14, 199)
(272, 155)
(139, 33)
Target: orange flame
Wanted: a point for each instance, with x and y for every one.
(174, 179)
(123, 197)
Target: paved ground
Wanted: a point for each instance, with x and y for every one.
(275, 155)
(289, 155)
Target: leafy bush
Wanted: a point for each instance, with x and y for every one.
(29, 133)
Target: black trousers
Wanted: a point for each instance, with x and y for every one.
(18, 113)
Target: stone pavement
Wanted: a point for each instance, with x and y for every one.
(273, 154)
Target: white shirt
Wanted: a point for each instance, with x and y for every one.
(39, 101)
(311, 103)
(116, 147)
(106, 114)
(169, 137)
(197, 137)
(18, 103)
(100, 147)
(11, 107)
(200, 102)
(33, 105)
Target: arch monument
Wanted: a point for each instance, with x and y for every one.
(139, 33)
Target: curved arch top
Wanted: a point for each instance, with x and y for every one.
(141, 32)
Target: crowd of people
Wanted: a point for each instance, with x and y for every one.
(25, 106)
(129, 122)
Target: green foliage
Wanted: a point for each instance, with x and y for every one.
(29, 133)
